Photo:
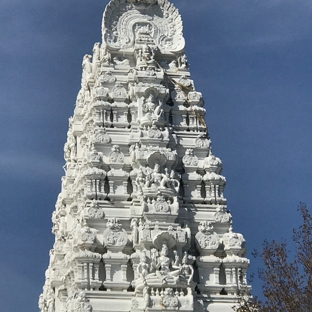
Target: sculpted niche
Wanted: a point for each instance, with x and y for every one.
(136, 23)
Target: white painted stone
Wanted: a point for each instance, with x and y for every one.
(141, 223)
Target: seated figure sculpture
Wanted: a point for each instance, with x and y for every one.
(153, 113)
(162, 270)
(164, 264)
(156, 179)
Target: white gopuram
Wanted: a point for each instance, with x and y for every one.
(141, 223)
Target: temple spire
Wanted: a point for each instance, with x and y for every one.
(141, 223)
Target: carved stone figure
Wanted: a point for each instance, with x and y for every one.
(143, 268)
(182, 61)
(153, 112)
(105, 56)
(186, 270)
(96, 52)
(86, 65)
(119, 61)
(164, 266)
(116, 156)
(140, 61)
(135, 231)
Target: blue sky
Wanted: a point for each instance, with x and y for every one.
(251, 59)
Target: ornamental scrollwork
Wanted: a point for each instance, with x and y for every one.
(115, 235)
(189, 159)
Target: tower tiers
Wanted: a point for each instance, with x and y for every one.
(141, 223)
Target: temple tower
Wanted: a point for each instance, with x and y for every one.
(141, 223)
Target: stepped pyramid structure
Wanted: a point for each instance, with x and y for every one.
(141, 223)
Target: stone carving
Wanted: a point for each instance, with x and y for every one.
(115, 235)
(185, 82)
(182, 62)
(96, 52)
(106, 78)
(135, 231)
(119, 92)
(234, 243)
(88, 235)
(189, 159)
(155, 179)
(143, 267)
(145, 60)
(154, 132)
(206, 238)
(202, 141)
(82, 304)
(87, 68)
(160, 205)
(146, 297)
(213, 164)
(164, 267)
(152, 112)
(95, 156)
(172, 65)
(123, 61)
(116, 156)
(163, 31)
(101, 92)
(195, 98)
(47, 300)
(186, 270)
(169, 300)
(134, 304)
(100, 136)
(222, 216)
(105, 57)
(94, 212)
(70, 147)
(214, 182)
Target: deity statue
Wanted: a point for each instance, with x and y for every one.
(105, 56)
(186, 270)
(153, 112)
(182, 61)
(140, 61)
(86, 64)
(164, 264)
(140, 181)
(143, 268)
(135, 231)
(96, 52)
(154, 178)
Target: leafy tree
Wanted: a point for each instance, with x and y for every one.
(287, 282)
